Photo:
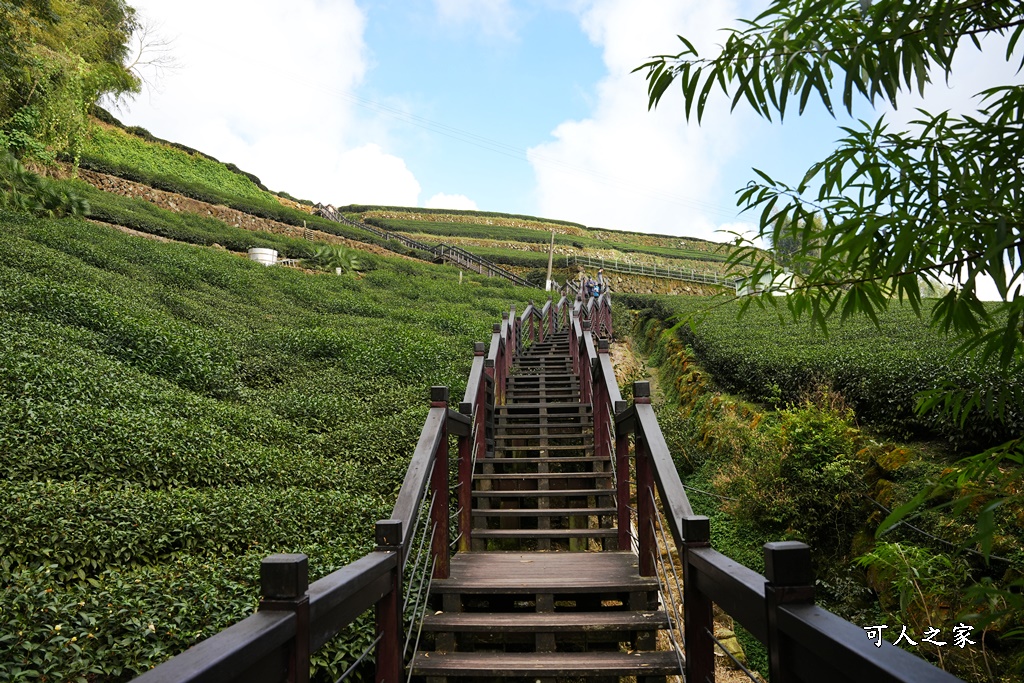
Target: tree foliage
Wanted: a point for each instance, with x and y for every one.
(24, 191)
(940, 201)
(57, 58)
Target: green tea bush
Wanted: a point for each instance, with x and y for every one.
(195, 175)
(534, 236)
(879, 371)
(169, 415)
(121, 149)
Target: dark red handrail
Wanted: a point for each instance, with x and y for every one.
(805, 642)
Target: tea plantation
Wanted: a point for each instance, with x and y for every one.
(170, 414)
(878, 370)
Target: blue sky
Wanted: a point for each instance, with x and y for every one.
(521, 106)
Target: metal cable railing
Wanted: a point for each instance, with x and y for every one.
(675, 606)
(454, 254)
(653, 270)
(359, 660)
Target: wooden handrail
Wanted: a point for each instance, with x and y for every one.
(414, 486)
(257, 647)
(805, 642)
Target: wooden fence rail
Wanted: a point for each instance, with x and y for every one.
(805, 642)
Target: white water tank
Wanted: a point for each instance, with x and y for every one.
(267, 257)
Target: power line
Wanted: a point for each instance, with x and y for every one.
(515, 152)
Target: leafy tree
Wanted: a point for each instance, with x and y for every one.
(332, 256)
(57, 58)
(24, 191)
(942, 201)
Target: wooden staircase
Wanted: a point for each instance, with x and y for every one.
(545, 594)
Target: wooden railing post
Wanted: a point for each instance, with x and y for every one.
(467, 444)
(389, 608)
(602, 407)
(574, 343)
(513, 333)
(644, 489)
(284, 585)
(608, 315)
(511, 346)
(487, 407)
(698, 618)
(495, 364)
(622, 486)
(586, 371)
(790, 579)
(439, 486)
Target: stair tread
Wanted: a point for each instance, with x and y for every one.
(550, 459)
(544, 512)
(534, 437)
(543, 404)
(545, 533)
(553, 446)
(526, 622)
(545, 475)
(549, 663)
(544, 572)
(551, 492)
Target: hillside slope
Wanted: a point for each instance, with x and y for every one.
(170, 414)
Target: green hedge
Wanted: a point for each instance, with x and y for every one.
(169, 415)
(511, 234)
(363, 208)
(144, 216)
(878, 371)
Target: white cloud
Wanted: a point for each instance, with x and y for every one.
(263, 84)
(973, 71)
(494, 18)
(626, 167)
(368, 175)
(451, 201)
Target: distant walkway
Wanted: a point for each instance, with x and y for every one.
(654, 270)
(441, 252)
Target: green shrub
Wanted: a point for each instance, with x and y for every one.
(878, 371)
(169, 415)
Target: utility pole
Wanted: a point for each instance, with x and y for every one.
(551, 257)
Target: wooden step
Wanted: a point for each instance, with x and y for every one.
(510, 572)
(521, 381)
(544, 512)
(556, 409)
(563, 436)
(544, 431)
(526, 476)
(481, 534)
(510, 664)
(536, 395)
(554, 448)
(551, 460)
(548, 622)
(569, 493)
(581, 426)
